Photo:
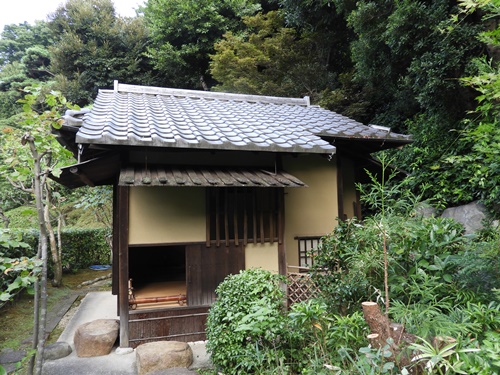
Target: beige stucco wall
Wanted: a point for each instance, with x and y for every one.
(262, 255)
(166, 215)
(312, 210)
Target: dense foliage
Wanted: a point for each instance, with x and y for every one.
(93, 47)
(235, 329)
(81, 247)
(399, 64)
(17, 271)
(443, 285)
(183, 33)
(271, 59)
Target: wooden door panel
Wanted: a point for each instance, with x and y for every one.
(206, 268)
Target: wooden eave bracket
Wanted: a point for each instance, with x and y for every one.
(83, 177)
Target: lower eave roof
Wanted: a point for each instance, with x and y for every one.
(206, 176)
(108, 170)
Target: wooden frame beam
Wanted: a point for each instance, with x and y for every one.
(123, 276)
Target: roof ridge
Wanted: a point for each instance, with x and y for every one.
(121, 87)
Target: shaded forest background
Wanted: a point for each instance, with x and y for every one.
(426, 68)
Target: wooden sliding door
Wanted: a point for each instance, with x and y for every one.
(206, 267)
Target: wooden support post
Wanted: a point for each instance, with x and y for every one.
(123, 209)
(281, 233)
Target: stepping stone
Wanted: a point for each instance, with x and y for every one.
(57, 350)
(96, 338)
(163, 355)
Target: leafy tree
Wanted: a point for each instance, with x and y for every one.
(29, 170)
(183, 33)
(24, 61)
(479, 167)
(409, 57)
(408, 64)
(41, 111)
(94, 47)
(17, 39)
(327, 20)
(270, 59)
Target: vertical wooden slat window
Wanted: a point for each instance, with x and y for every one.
(243, 214)
(307, 248)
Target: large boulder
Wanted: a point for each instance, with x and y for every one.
(470, 215)
(161, 355)
(96, 338)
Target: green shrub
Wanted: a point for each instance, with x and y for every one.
(84, 247)
(16, 271)
(423, 258)
(22, 217)
(316, 335)
(81, 248)
(245, 325)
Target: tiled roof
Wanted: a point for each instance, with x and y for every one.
(206, 176)
(159, 117)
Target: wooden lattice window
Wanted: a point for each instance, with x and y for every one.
(243, 215)
(307, 248)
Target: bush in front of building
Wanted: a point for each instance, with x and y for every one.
(247, 322)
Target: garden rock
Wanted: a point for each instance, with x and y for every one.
(162, 355)
(425, 210)
(201, 358)
(471, 216)
(96, 338)
(57, 350)
(10, 357)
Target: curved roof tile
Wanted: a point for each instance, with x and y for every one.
(148, 116)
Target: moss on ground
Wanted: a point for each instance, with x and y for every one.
(16, 318)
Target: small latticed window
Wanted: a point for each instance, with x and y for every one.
(308, 246)
(243, 215)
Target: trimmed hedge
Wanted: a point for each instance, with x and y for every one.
(81, 248)
(85, 247)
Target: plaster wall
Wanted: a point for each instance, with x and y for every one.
(312, 210)
(262, 255)
(166, 215)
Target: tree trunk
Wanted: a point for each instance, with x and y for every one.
(377, 322)
(43, 308)
(36, 315)
(4, 218)
(383, 330)
(38, 187)
(56, 259)
(54, 250)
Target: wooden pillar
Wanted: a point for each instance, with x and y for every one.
(123, 222)
(116, 246)
(340, 186)
(281, 232)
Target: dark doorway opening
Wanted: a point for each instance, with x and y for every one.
(157, 272)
